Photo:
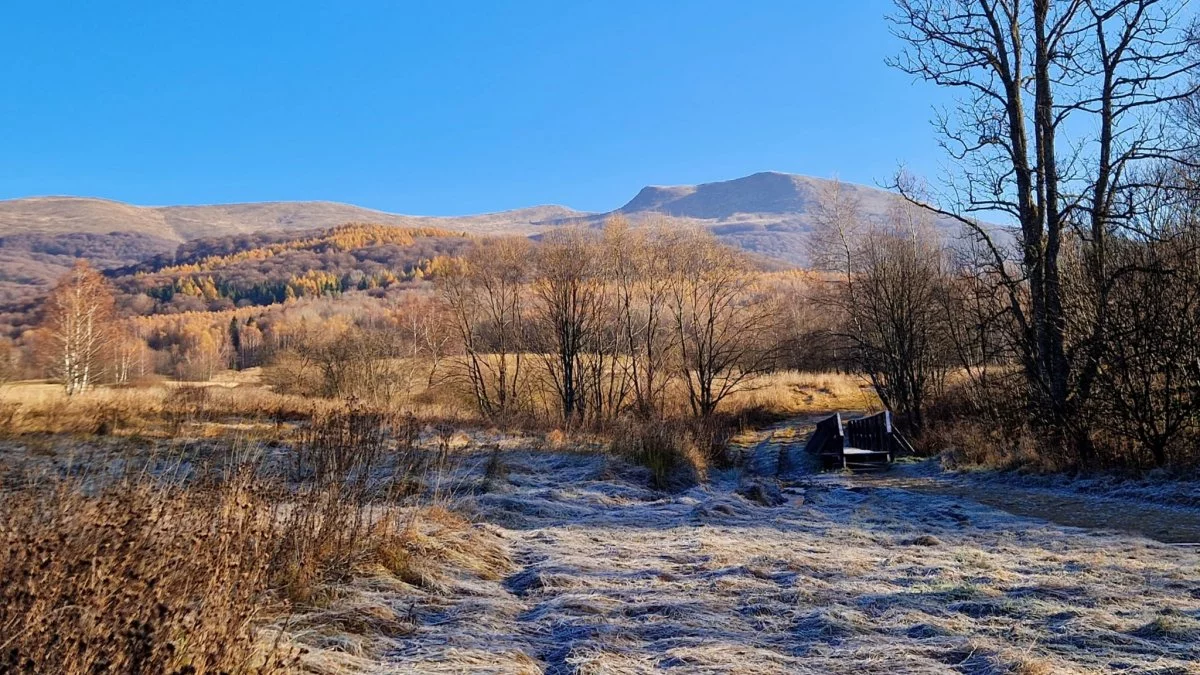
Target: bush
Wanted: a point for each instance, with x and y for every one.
(669, 449)
(156, 575)
(115, 582)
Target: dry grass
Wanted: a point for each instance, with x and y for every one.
(845, 578)
(137, 579)
(164, 409)
(790, 392)
(240, 403)
(334, 550)
(672, 451)
(125, 561)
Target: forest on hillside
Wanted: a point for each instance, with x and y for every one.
(222, 273)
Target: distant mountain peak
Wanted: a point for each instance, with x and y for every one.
(768, 212)
(763, 192)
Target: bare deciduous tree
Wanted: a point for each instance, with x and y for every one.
(128, 356)
(1060, 103)
(567, 290)
(640, 262)
(838, 223)
(1148, 385)
(886, 282)
(724, 324)
(485, 295)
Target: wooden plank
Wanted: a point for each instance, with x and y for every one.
(872, 432)
(828, 437)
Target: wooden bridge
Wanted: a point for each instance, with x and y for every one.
(864, 443)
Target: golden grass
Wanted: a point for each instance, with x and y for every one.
(235, 404)
(137, 578)
(239, 403)
(144, 563)
(796, 393)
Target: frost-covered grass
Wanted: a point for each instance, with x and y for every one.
(1159, 487)
(557, 557)
(609, 576)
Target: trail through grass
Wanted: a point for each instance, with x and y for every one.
(845, 576)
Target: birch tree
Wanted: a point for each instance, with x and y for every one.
(78, 319)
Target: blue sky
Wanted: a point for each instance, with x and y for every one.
(446, 107)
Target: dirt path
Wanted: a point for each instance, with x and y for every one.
(845, 576)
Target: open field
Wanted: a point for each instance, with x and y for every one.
(606, 576)
(946, 420)
(535, 552)
(242, 395)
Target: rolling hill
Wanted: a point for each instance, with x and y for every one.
(73, 215)
(769, 214)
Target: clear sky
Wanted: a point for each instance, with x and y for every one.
(446, 107)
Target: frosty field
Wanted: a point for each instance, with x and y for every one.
(851, 574)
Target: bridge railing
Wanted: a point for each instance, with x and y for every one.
(874, 434)
(871, 433)
(828, 438)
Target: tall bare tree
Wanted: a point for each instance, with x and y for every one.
(896, 325)
(1060, 101)
(568, 294)
(640, 264)
(978, 329)
(78, 319)
(885, 283)
(724, 323)
(485, 294)
(838, 223)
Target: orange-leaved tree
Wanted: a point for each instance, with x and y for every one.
(78, 318)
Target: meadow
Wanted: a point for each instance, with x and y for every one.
(228, 528)
(224, 527)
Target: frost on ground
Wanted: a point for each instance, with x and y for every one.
(604, 575)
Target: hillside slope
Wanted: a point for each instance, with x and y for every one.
(61, 215)
(41, 237)
(769, 214)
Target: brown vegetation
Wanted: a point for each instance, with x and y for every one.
(181, 559)
(1075, 122)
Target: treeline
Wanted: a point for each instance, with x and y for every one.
(103, 250)
(221, 273)
(217, 274)
(83, 330)
(615, 322)
(217, 292)
(580, 329)
(1073, 332)
(203, 255)
(583, 327)
(31, 263)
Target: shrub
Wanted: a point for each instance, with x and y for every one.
(668, 449)
(116, 581)
(342, 446)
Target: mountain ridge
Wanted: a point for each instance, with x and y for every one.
(768, 213)
(54, 214)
